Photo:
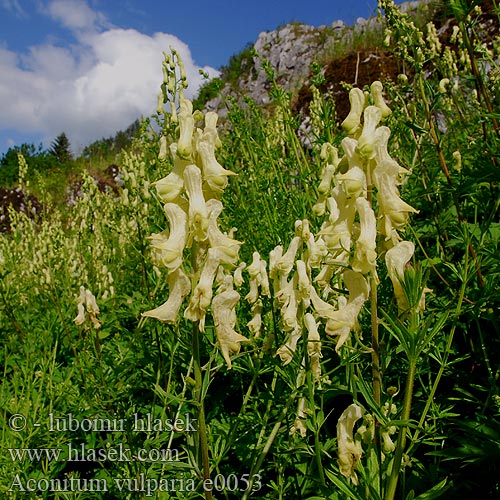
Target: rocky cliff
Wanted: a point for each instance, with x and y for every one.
(290, 50)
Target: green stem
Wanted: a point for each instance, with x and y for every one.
(202, 426)
(317, 441)
(405, 416)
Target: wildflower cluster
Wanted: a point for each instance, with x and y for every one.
(190, 194)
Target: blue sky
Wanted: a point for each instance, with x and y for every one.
(91, 67)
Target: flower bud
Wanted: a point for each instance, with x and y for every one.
(352, 123)
(186, 124)
(366, 142)
(377, 89)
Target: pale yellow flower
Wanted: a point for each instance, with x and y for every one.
(186, 126)
(287, 350)
(179, 286)
(226, 246)
(365, 253)
(168, 247)
(376, 90)
(198, 217)
(349, 449)
(224, 315)
(214, 173)
(352, 122)
(202, 294)
(396, 259)
(87, 305)
(366, 142)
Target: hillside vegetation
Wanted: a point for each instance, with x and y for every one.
(295, 297)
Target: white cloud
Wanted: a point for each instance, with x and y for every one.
(91, 89)
(75, 14)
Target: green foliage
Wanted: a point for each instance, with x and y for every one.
(207, 91)
(433, 431)
(61, 149)
(37, 158)
(239, 65)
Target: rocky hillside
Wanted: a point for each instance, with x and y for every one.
(291, 49)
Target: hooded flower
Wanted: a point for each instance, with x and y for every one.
(180, 286)
(352, 122)
(365, 254)
(198, 212)
(168, 247)
(87, 305)
(313, 345)
(376, 91)
(224, 314)
(213, 173)
(186, 125)
(202, 294)
(366, 142)
(349, 449)
(396, 259)
(170, 187)
(227, 247)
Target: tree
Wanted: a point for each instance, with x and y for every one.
(38, 159)
(61, 149)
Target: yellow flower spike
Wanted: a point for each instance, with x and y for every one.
(169, 249)
(396, 259)
(349, 449)
(367, 141)
(179, 286)
(376, 90)
(198, 213)
(202, 293)
(224, 315)
(186, 124)
(352, 122)
(227, 247)
(214, 173)
(365, 254)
